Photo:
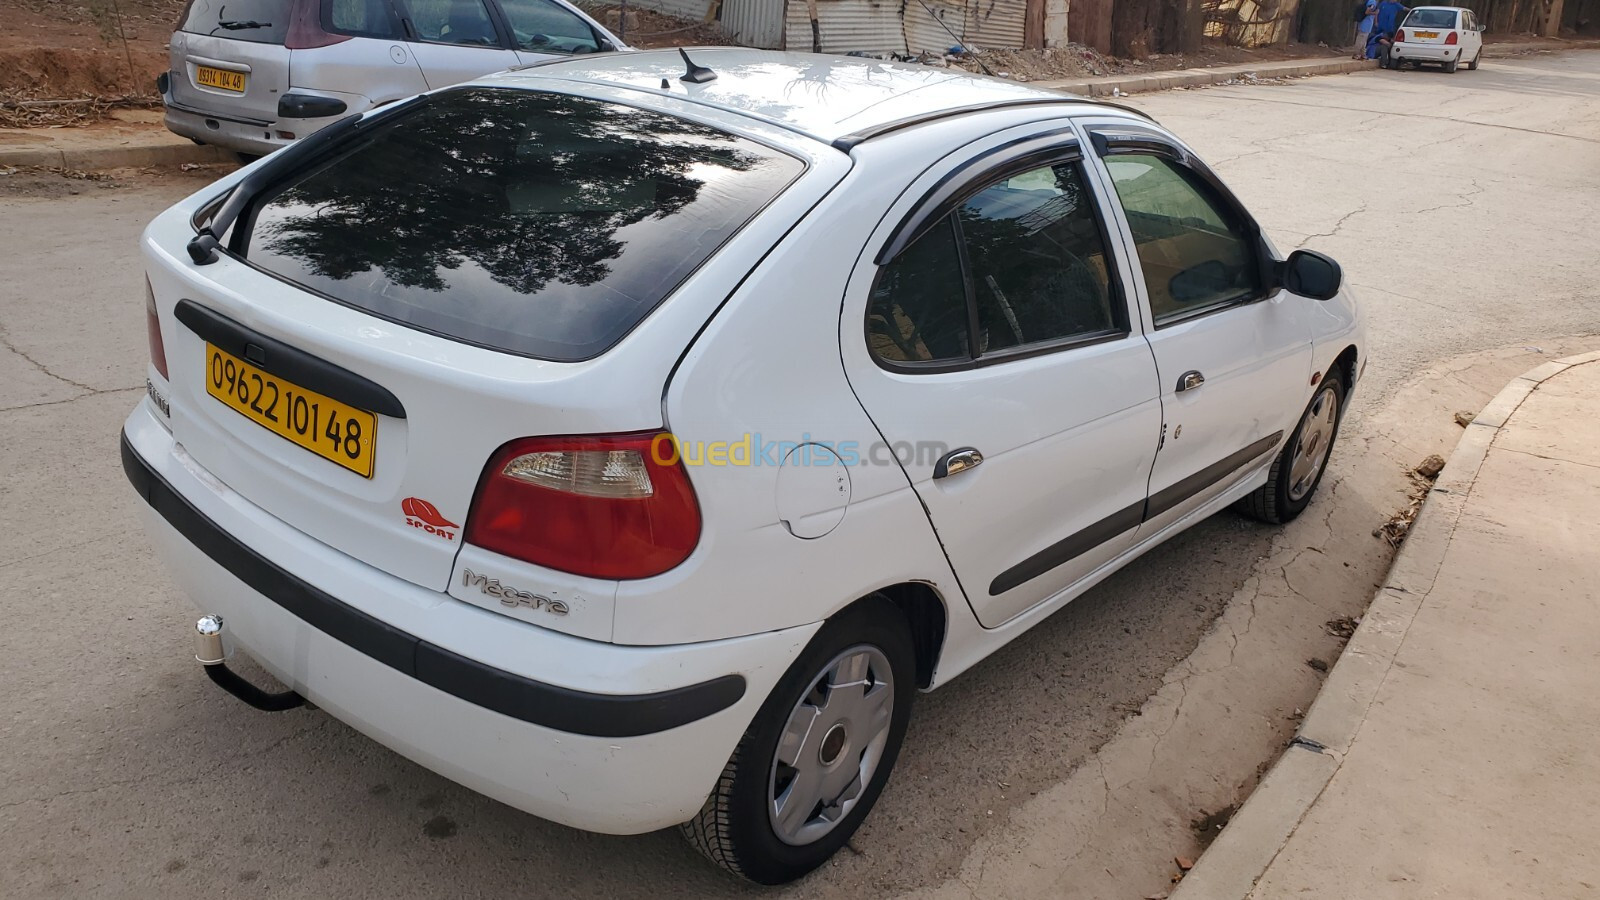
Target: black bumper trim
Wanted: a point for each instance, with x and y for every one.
(546, 705)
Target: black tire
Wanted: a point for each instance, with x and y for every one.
(734, 828)
(1274, 501)
(1473, 66)
(1449, 65)
(246, 159)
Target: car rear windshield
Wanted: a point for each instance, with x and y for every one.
(1432, 18)
(260, 21)
(534, 223)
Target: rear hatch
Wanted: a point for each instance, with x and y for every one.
(229, 59)
(450, 277)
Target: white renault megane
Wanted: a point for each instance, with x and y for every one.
(632, 443)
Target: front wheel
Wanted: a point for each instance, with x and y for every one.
(1473, 66)
(1299, 467)
(811, 765)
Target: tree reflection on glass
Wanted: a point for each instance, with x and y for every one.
(552, 221)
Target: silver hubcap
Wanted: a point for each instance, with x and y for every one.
(1316, 439)
(831, 746)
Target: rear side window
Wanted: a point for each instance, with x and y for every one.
(362, 18)
(533, 223)
(1432, 18)
(259, 21)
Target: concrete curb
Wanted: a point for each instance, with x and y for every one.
(1230, 868)
(122, 156)
(1161, 81)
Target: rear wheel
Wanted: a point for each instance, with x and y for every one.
(1450, 65)
(1299, 467)
(819, 752)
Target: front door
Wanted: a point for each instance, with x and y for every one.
(1233, 356)
(999, 358)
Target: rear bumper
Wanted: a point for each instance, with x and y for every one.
(244, 134)
(1426, 52)
(605, 738)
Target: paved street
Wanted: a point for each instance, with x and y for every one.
(1463, 208)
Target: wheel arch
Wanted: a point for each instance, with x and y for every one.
(926, 617)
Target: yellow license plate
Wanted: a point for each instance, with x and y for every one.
(337, 432)
(220, 78)
(1428, 34)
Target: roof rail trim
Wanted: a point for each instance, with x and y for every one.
(850, 141)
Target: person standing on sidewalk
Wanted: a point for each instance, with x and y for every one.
(1366, 18)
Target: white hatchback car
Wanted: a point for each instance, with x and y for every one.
(256, 75)
(1444, 35)
(631, 444)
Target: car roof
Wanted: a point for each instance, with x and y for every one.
(835, 99)
(1450, 8)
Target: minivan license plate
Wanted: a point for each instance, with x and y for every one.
(337, 432)
(222, 79)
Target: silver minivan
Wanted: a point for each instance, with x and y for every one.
(255, 75)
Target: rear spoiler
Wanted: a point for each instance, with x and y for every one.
(295, 158)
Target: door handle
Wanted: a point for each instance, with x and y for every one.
(957, 461)
(1190, 380)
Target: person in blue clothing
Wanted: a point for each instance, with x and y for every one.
(1390, 14)
(1368, 16)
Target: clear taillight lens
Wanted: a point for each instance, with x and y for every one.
(158, 350)
(606, 506)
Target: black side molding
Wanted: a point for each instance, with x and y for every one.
(1075, 545)
(288, 362)
(1068, 548)
(546, 705)
(1169, 497)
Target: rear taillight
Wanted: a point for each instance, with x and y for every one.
(158, 350)
(1400, 36)
(1451, 38)
(605, 506)
(305, 28)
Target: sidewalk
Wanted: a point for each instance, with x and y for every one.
(1454, 751)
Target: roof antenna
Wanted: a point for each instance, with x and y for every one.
(959, 42)
(695, 74)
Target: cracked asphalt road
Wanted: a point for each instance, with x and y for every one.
(1463, 208)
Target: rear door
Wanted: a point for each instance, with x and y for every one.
(1234, 358)
(456, 40)
(374, 60)
(228, 59)
(988, 334)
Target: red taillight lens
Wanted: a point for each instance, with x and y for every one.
(1400, 36)
(605, 506)
(305, 28)
(158, 350)
(1450, 38)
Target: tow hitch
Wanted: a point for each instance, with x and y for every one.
(209, 654)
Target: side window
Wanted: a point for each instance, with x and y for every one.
(540, 26)
(453, 22)
(363, 18)
(1022, 258)
(1194, 254)
(918, 311)
(1038, 265)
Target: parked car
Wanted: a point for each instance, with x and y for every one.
(1444, 35)
(256, 75)
(631, 443)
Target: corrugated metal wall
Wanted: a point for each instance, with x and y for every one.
(754, 23)
(878, 27)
